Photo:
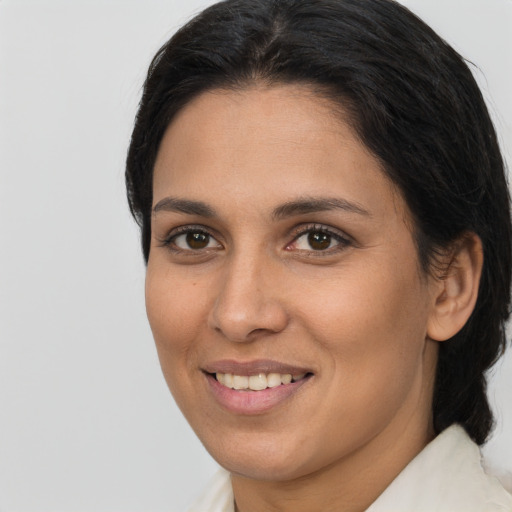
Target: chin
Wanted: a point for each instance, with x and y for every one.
(267, 461)
(272, 471)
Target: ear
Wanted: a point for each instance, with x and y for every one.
(456, 290)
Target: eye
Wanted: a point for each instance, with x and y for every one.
(191, 239)
(194, 240)
(318, 239)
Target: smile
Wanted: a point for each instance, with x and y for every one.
(255, 387)
(257, 382)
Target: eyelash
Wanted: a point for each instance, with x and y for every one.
(168, 241)
(342, 240)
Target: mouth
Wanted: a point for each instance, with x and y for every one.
(257, 382)
(255, 387)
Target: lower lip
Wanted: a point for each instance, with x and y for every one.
(253, 402)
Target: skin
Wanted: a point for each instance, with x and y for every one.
(360, 315)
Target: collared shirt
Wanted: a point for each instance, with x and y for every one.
(446, 476)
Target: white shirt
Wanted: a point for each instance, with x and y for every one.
(446, 476)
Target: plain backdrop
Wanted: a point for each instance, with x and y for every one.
(86, 421)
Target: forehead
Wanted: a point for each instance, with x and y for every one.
(264, 144)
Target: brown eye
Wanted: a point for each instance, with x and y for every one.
(194, 240)
(197, 240)
(319, 241)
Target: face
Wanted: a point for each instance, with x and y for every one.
(283, 286)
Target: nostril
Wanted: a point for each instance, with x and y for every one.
(243, 312)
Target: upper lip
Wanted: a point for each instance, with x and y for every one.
(253, 367)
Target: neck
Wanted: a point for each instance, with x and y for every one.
(351, 484)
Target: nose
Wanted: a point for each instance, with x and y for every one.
(247, 305)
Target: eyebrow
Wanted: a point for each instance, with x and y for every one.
(187, 206)
(306, 205)
(299, 206)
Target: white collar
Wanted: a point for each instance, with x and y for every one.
(446, 476)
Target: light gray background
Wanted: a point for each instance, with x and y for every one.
(86, 422)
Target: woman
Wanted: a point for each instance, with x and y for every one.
(326, 226)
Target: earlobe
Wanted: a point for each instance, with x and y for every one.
(457, 289)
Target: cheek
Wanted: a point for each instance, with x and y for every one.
(371, 324)
(175, 311)
(373, 336)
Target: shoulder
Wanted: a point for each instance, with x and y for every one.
(447, 476)
(218, 495)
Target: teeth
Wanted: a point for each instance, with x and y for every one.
(228, 380)
(257, 382)
(273, 380)
(286, 378)
(240, 382)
